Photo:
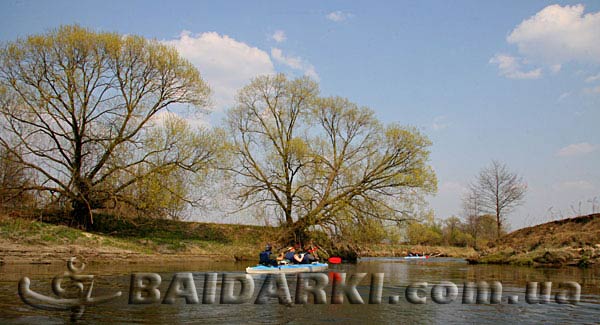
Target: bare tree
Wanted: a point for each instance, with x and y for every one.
(13, 178)
(498, 191)
(472, 210)
(79, 105)
(320, 162)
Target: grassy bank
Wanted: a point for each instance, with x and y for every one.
(383, 250)
(31, 241)
(152, 240)
(574, 241)
(144, 240)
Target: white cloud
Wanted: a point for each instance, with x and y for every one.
(593, 78)
(440, 123)
(564, 95)
(559, 34)
(295, 63)
(312, 73)
(279, 36)
(555, 68)
(592, 90)
(291, 61)
(194, 120)
(338, 16)
(576, 149)
(510, 67)
(573, 186)
(225, 63)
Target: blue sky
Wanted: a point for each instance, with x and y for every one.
(509, 80)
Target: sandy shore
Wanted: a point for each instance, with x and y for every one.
(13, 253)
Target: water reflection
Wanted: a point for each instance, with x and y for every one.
(398, 275)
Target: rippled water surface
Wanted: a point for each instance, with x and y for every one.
(398, 274)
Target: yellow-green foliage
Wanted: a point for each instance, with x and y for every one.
(453, 231)
(369, 232)
(82, 105)
(324, 162)
(424, 234)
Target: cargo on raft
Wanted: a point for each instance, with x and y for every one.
(288, 268)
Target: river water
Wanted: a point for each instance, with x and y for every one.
(398, 275)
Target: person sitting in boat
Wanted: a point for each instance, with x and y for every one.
(309, 255)
(281, 258)
(265, 257)
(286, 257)
(302, 258)
(312, 249)
(292, 256)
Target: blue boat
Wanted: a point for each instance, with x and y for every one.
(288, 268)
(420, 257)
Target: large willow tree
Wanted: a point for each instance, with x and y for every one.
(76, 108)
(323, 162)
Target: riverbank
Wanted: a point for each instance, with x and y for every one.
(572, 241)
(387, 250)
(26, 241)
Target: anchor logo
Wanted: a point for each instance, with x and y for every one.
(76, 305)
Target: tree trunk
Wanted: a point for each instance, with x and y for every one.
(82, 214)
(498, 225)
(294, 233)
(288, 206)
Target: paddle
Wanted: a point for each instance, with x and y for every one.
(335, 260)
(332, 260)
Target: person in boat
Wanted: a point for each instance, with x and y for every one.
(286, 256)
(281, 258)
(291, 256)
(265, 257)
(309, 255)
(313, 250)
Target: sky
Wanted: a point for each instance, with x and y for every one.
(514, 81)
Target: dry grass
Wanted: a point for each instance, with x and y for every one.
(382, 250)
(117, 237)
(572, 241)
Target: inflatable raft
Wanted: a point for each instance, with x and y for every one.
(415, 257)
(289, 268)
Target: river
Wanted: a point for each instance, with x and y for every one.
(398, 275)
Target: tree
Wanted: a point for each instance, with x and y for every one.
(169, 190)
(425, 232)
(453, 233)
(472, 211)
(79, 106)
(497, 191)
(13, 178)
(318, 162)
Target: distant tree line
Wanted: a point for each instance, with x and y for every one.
(473, 231)
(494, 193)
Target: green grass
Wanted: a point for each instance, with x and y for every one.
(142, 235)
(35, 232)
